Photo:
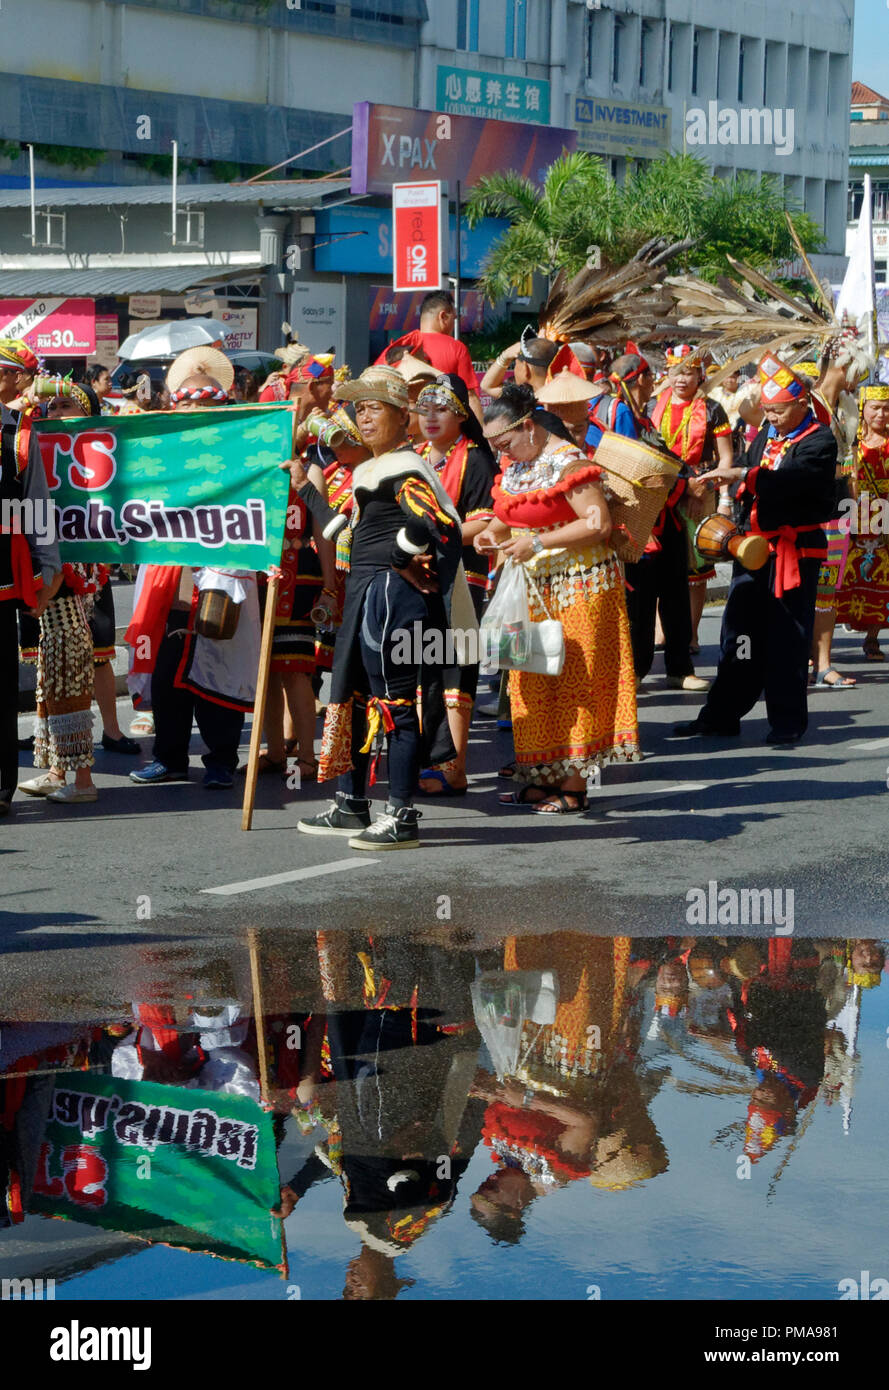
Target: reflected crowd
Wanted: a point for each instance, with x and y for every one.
(388, 1065)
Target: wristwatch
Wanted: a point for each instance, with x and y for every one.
(537, 544)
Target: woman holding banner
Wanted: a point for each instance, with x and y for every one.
(63, 731)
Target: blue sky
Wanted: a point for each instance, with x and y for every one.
(870, 55)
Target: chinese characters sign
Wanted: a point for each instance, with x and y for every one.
(417, 236)
(609, 127)
(497, 96)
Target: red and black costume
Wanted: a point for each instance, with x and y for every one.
(788, 495)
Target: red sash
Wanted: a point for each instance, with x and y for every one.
(782, 541)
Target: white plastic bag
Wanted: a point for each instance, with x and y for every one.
(509, 640)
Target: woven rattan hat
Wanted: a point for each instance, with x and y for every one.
(378, 383)
(201, 361)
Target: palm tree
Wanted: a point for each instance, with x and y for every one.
(581, 208)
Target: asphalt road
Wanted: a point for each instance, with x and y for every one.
(75, 882)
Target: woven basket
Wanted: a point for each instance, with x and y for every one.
(640, 478)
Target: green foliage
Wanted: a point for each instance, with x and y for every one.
(224, 172)
(676, 196)
(484, 347)
(10, 149)
(70, 156)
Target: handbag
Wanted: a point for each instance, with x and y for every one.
(509, 639)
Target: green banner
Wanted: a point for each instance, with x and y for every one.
(188, 1168)
(193, 488)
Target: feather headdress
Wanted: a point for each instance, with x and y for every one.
(611, 302)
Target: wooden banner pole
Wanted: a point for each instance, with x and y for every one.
(262, 686)
(262, 1052)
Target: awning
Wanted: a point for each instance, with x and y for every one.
(94, 284)
(863, 161)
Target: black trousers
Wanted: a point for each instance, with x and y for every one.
(661, 575)
(391, 606)
(9, 700)
(764, 650)
(175, 710)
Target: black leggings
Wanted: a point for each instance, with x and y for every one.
(391, 606)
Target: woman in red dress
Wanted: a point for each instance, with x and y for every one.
(863, 600)
(552, 515)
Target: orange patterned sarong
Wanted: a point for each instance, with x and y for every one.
(585, 717)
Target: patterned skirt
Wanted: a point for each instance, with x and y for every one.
(831, 570)
(863, 600)
(586, 717)
(63, 729)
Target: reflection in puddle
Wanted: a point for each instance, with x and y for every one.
(566, 1116)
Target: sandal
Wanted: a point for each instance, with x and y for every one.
(308, 767)
(521, 798)
(508, 770)
(558, 804)
(267, 767)
(434, 774)
(872, 649)
(821, 678)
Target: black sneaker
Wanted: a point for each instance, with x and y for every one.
(347, 816)
(396, 828)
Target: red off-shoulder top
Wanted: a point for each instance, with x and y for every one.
(542, 507)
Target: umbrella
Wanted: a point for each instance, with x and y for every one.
(168, 339)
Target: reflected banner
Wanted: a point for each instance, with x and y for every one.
(191, 488)
(195, 1169)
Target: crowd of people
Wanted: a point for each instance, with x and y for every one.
(407, 499)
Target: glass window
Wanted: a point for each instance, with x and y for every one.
(615, 48)
(515, 28)
(467, 25)
(670, 60)
(741, 43)
(695, 50)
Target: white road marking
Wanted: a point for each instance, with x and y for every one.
(249, 885)
(872, 744)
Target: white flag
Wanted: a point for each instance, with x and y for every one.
(858, 300)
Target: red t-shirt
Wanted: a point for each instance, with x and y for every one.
(445, 353)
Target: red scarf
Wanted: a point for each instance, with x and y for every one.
(149, 621)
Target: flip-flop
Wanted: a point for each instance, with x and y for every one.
(508, 770)
(434, 774)
(843, 681)
(558, 804)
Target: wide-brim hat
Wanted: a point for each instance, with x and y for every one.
(378, 383)
(292, 354)
(566, 388)
(201, 361)
(414, 369)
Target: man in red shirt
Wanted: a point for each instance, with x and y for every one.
(444, 351)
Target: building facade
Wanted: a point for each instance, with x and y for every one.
(101, 89)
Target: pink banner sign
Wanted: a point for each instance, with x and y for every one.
(52, 327)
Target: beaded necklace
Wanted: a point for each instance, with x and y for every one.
(683, 428)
